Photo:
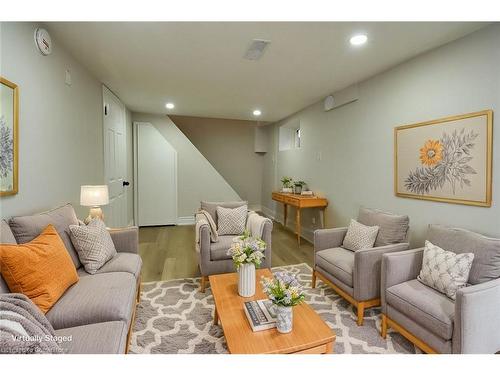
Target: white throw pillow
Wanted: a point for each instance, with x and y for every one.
(359, 236)
(231, 220)
(93, 244)
(444, 270)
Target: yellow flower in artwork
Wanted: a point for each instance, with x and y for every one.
(431, 153)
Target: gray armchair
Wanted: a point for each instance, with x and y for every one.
(212, 256)
(428, 318)
(355, 275)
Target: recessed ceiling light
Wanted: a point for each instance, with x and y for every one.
(170, 105)
(257, 112)
(358, 40)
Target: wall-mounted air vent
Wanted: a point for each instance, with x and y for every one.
(256, 49)
(342, 97)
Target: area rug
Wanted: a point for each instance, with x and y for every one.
(173, 317)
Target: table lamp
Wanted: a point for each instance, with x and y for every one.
(94, 196)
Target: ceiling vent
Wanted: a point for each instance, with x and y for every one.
(256, 49)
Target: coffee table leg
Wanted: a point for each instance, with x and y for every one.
(216, 317)
(329, 348)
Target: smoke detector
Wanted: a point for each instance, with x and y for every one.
(256, 49)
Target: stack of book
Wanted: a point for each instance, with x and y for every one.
(260, 314)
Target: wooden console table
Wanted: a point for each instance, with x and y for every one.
(300, 201)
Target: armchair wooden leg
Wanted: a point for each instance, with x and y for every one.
(138, 297)
(383, 330)
(313, 281)
(361, 313)
(203, 283)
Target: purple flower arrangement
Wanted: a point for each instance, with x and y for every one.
(284, 289)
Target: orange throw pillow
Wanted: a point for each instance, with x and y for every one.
(41, 269)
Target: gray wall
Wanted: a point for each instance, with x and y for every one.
(229, 147)
(60, 126)
(356, 141)
(197, 179)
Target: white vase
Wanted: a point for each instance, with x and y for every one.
(246, 280)
(284, 319)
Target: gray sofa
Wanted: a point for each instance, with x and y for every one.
(428, 318)
(212, 256)
(355, 275)
(98, 311)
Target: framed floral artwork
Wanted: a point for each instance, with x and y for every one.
(446, 160)
(9, 119)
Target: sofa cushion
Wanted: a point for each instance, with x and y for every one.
(211, 207)
(3, 286)
(436, 342)
(486, 264)
(95, 299)
(359, 236)
(393, 228)
(121, 262)
(7, 237)
(337, 261)
(40, 269)
(25, 228)
(444, 270)
(218, 250)
(231, 221)
(426, 306)
(93, 244)
(98, 338)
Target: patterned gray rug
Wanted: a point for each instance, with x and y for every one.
(174, 317)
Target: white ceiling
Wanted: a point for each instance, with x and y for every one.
(200, 67)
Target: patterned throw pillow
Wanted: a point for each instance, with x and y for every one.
(93, 244)
(444, 270)
(231, 220)
(359, 236)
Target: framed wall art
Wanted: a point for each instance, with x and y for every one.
(9, 137)
(446, 160)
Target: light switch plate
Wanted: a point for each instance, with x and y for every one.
(67, 78)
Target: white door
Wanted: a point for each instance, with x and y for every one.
(156, 177)
(115, 157)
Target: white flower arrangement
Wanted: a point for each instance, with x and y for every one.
(247, 249)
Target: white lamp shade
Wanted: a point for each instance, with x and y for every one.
(94, 195)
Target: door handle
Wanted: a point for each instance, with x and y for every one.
(125, 183)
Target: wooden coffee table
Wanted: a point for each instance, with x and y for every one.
(310, 333)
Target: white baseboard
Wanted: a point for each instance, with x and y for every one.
(268, 212)
(186, 220)
(306, 232)
(255, 207)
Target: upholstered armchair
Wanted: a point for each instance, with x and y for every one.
(212, 256)
(429, 319)
(355, 275)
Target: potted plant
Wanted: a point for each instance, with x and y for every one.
(284, 291)
(247, 253)
(287, 184)
(298, 186)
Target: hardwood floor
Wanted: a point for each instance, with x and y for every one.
(168, 252)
